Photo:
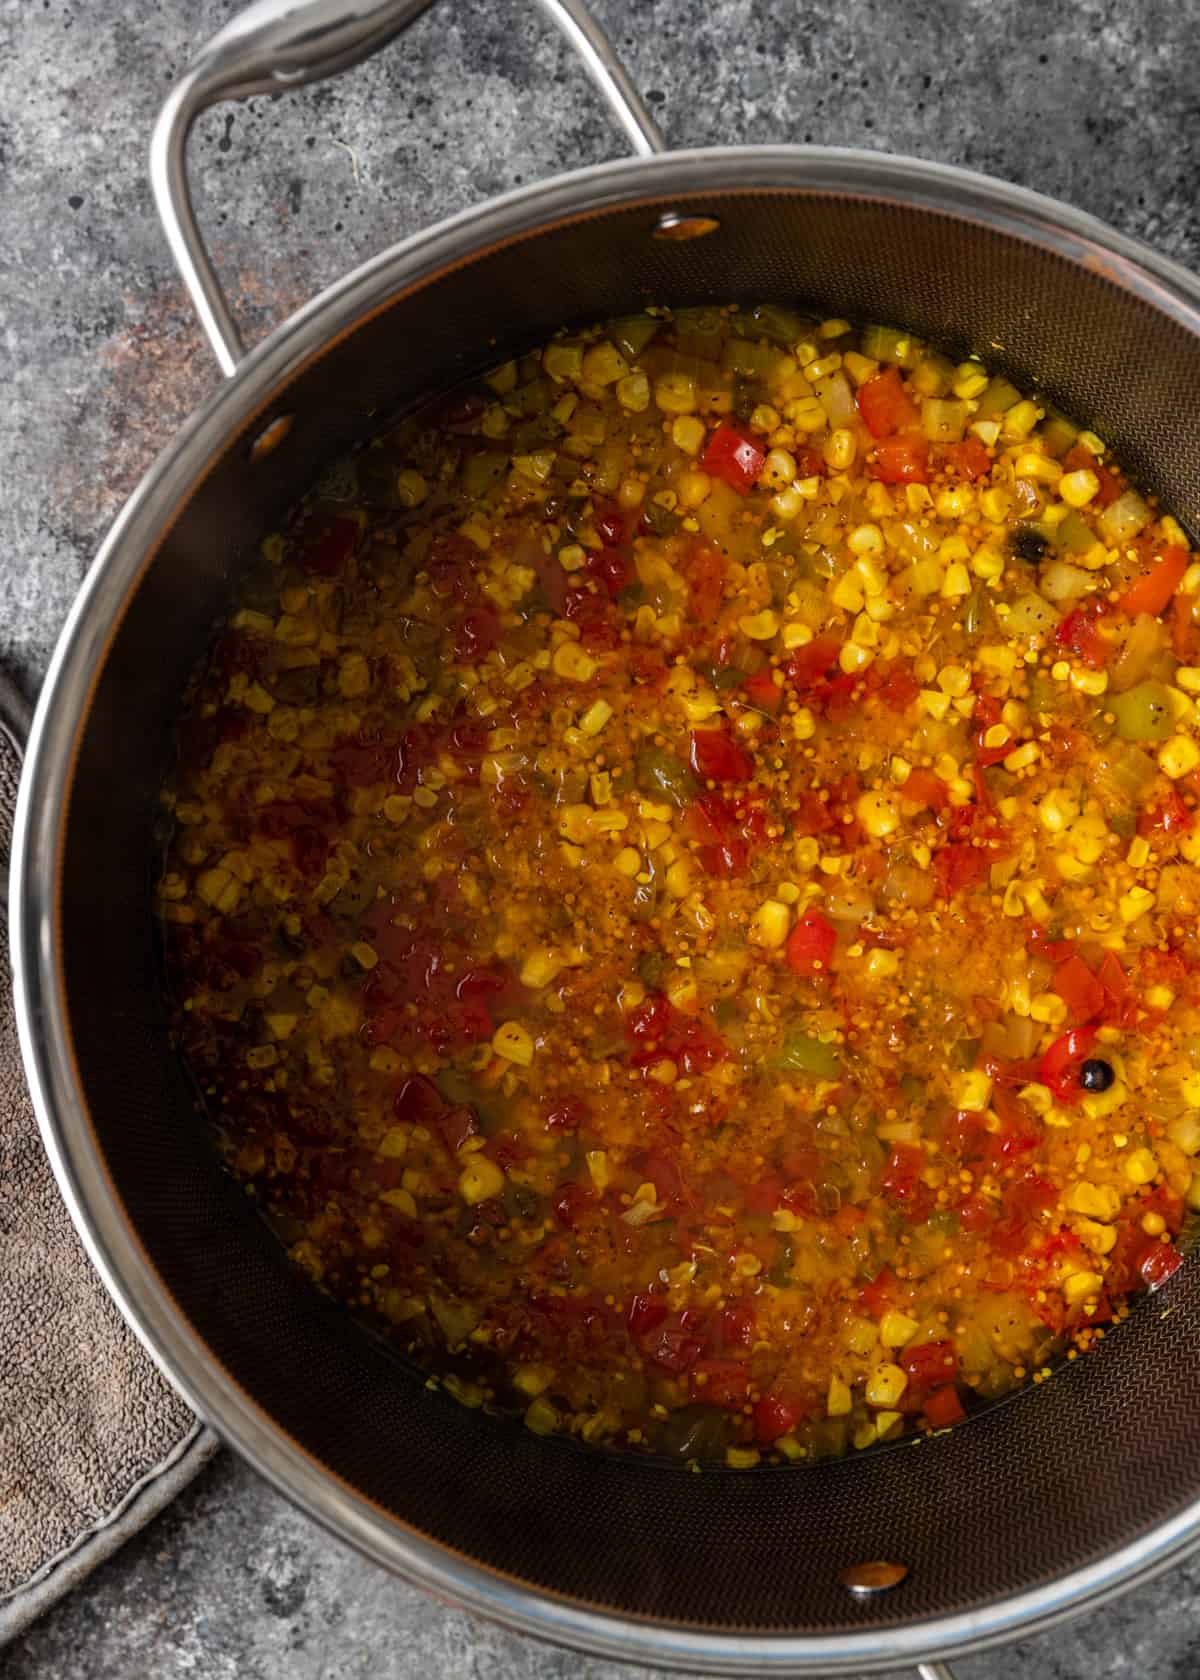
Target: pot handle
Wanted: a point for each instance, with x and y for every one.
(275, 45)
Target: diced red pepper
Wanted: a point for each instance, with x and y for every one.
(774, 1416)
(893, 681)
(328, 545)
(1078, 634)
(943, 1408)
(931, 1364)
(957, 866)
(812, 663)
(674, 1344)
(924, 788)
(810, 945)
(1054, 950)
(901, 460)
(969, 459)
(573, 1202)
(705, 573)
(1079, 989)
(568, 1115)
(886, 406)
(1159, 1264)
(1172, 816)
(1120, 1005)
(720, 1382)
(901, 1181)
(1059, 1067)
(761, 690)
(645, 1313)
(879, 1294)
(1153, 591)
(734, 457)
(717, 757)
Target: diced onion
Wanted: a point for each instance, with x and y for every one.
(1060, 581)
(837, 399)
(1125, 518)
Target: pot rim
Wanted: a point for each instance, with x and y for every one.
(60, 1103)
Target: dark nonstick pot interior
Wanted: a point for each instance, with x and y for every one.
(1047, 1483)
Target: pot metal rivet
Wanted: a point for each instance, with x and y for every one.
(271, 436)
(678, 227)
(865, 1578)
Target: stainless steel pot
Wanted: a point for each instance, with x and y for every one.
(1034, 1510)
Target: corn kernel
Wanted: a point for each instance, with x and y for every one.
(675, 393)
(1089, 682)
(972, 1091)
(970, 381)
(633, 393)
(1057, 811)
(540, 967)
(956, 582)
(598, 1168)
(896, 1328)
(772, 923)
(840, 448)
(513, 1043)
(480, 1180)
(1043, 468)
(860, 368)
(1133, 904)
(1097, 1201)
(878, 813)
(1079, 1287)
(687, 433)
(854, 658)
(882, 964)
(761, 626)
(1048, 1008)
(847, 593)
(541, 1417)
(837, 1400)
(1019, 421)
(1178, 757)
(995, 504)
(886, 1384)
(934, 703)
(603, 364)
(1078, 488)
(570, 661)
(595, 718)
(1140, 1166)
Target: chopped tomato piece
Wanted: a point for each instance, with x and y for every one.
(1172, 816)
(901, 460)
(717, 757)
(705, 573)
(761, 690)
(930, 1364)
(812, 663)
(969, 459)
(886, 406)
(958, 866)
(924, 788)
(1153, 590)
(734, 457)
(943, 1408)
(774, 1416)
(1079, 989)
(1078, 634)
(720, 1382)
(810, 945)
(1161, 1263)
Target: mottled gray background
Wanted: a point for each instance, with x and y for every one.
(1095, 102)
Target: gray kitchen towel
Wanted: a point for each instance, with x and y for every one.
(93, 1440)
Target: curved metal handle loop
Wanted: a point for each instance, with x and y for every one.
(275, 45)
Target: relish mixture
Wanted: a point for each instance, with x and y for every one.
(683, 893)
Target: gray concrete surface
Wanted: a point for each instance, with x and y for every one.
(99, 360)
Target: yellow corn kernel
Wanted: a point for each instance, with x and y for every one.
(1036, 1097)
(778, 470)
(761, 626)
(1097, 1104)
(598, 1168)
(822, 367)
(1078, 488)
(896, 1328)
(881, 964)
(1022, 757)
(742, 1458)
(1101, 1239)
(1057, 811)
(1097, 1201)
(972, 1091)
(934, 703)
(839, 449)
(847, 593)
(1081, 1286)
(860, 368)
(1140, 1166)
(603, 364)
(693, 488)
(837, 1400)
(411, 488)
(1133, 904)
(970, 381)
(679, 878)
(595, 718)
(540, 967)
(987, 564)
(220, 889)
(954, 679)
(878, 813)
(687, 433)
(1089, 682)
(1019, 421)
(958, 503)
(1044, 468)
(541, 1418)
(957, 581)
(772, 923)
(572, 662)
(513, 1043)
(886, 1384)
(995, 504)
(675, 393)
(480, 1180)
(633, 393)
(1178, 757)
(563, 361)
(804, 724)
(854, 658)
(1048, 1008)
(532, 1380)
(628, 862)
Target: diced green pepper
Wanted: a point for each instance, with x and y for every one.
(632, 333)
(1143, 713)
(890, 344)
(1074, 534)
(663, 776)
(998, 398)
(482, 472)
(803, 1054)
(1058, 434)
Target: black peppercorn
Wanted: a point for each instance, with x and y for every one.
(1096, 1075)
